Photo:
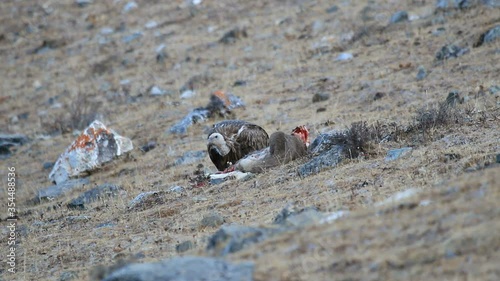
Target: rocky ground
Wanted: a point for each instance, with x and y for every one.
(423, 75)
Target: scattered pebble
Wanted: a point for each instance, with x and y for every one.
(184, 246)
(399, 16)
(177, 189)
(149, 146)
(421, 73)
(151, 24)
(394, 154)
(157, 91)
(344, 57)
(233, 238)
(489, 36)
(130, 6)
(190, 157)
(55, 191)
(231, 36)
(8, 142)
(212, 220)
(318, 97)
(83, 3)
(188, 94)
(451, 51)
(332, 9)
(107, 30)
(97, 193)
(48, 165)
(131, 37)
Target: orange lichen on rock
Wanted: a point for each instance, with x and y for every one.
(223, 97)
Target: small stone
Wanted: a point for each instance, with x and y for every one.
(107, 30)
(442, 4)
(489, 36)
(212, 220)
(157, 91)
(185, 269)
(197, 199)
(83, 3)
(184, 246)
(130, 6)
(177, 189)
(56, 191)
(48, 165)
(239, 83)
(188, 94)
(318, 97)
(231, 36)
(131, 37)
(94, 147)
(8, 142)
(149, 146)
(332, 9)
(422, 73)
(151, 24)
(399, 16)
(451, 51)
(494, 90)
(68, 276)
(298, 218)
(344, 57)
(146, 200)
(97, 193)
(233, 238)
(394, 154)
(190, 157)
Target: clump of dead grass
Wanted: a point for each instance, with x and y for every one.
(81, 111)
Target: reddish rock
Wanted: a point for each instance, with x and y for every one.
(94, 147)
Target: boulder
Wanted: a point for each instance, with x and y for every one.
(92, 148)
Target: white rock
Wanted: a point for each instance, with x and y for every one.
(188, 94)
(151, 24)
(130, 6)
(156, 91)
(92, 148)
(344, 57)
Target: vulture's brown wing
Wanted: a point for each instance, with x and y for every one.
(251, 138)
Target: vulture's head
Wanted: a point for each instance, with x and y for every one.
(302, 133)
(217, 144)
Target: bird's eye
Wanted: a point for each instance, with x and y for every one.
(216, 137)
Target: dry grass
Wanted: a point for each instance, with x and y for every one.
(375, 98)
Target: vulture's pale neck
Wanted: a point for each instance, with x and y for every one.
(218, 141)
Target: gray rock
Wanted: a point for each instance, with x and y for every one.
(318, 97)
(7, 141)
(451, 51)
(83, 3)
(394, 154)
(212, 220)
(298, 218)
(157, 91)
(494, 90)
(422, 73)
(498, 158)
(131, 37)
(48, 165)
(190, 157)
(489, 36)
(184, 269)
(177, 189)
(344, 57)
(232, 238)
(68, 276)
(148, 146)
(184, 246)
(99, 192)
(198, 115)
(332, 9)
(330, 158)
(130, 6)
(231, 36)
(145, 198)
(442, 4)
(55, 191)
(399, 16)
